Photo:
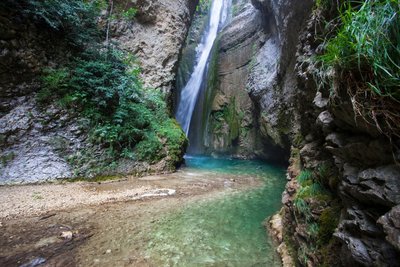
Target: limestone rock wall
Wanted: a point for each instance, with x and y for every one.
(256, 58)
(156, 37)
(38, 144)
(355, 163)
(232, 124)
(353, 220)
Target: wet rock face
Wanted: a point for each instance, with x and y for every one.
(391, 226)
(371, 198)
(24, 52)
(232, 124)
(251, 60)
(26, 150)
(28, 137)
(367, 179)
(156, 37)
(364, 180)
(272, 81)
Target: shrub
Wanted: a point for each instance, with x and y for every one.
(102, 84)
(125, 118)
(129, 13)
(76, 19)
(149, 149)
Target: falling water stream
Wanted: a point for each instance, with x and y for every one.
(190, 93)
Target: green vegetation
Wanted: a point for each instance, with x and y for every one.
(5, 158)
(74, 19)
(125, 118)
(328, 222)
(129, 13)
(304, 177)
(365, 53)
(229, 116)
(319, 4)
(203, 6)
(312, 196)
(102, 85)
(37, 196)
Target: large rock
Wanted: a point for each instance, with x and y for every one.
(156, 38)
(391, 226)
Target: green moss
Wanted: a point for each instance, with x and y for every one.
(175, 140)
(305, 177)
(328, 222)
(212, 86)
(232, 119)
(330, 253)
(298, 139)
(287, 236)
(6, 158)
(3, 139)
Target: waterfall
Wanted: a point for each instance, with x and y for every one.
(191, 91)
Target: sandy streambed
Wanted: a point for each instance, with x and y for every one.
(99, 224)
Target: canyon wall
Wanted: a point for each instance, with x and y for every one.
(251, 90)
(232, 117)
(341, 202)
(39, 144)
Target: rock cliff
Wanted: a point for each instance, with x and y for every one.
(232, 122)
(252, 111)
(156, 38)
(340, 203)
(39, 144)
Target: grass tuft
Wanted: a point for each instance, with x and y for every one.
(365, 54)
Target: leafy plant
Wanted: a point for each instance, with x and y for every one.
(76, 19)
(125, 118)
(369, 41)
(129, 13)
(302, 207)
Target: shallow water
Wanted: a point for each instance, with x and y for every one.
(226, 231)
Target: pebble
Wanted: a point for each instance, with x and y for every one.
(108, 251)
(67, 235)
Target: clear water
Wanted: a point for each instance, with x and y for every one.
(225, 231)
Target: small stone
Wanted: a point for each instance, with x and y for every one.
(108, 251)
(66, 235)
(319, 101)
